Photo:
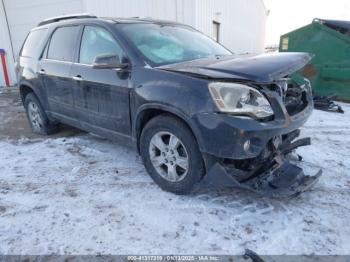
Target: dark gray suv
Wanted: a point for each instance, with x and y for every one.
(194, 111)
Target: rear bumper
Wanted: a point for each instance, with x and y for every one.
(227, 136)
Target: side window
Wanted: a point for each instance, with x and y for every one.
(33, 43)
(97, 41)
(62, 44)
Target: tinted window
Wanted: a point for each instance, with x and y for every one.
(33, 42)
(62, 44)
(97, 41)
(165, 44)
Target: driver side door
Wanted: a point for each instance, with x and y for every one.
(101, 95)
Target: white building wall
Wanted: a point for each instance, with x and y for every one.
(173, 10)
(186, 12)
(23, 15)
(163, 9)
(242, 23)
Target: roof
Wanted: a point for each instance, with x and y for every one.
(338, 25)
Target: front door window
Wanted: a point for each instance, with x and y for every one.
(97, 41)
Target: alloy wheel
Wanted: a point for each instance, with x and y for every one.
(35, 116)
(169, 156)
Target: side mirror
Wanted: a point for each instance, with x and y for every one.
(108, 61)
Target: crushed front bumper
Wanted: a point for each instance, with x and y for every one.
(280, 175)
(287, 180)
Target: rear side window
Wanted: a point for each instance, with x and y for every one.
(62, 44)
(31, 47)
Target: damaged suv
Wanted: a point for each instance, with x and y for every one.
(194, 111)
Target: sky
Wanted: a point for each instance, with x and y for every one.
(287, 15)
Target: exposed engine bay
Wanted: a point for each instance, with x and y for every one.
(294, 96)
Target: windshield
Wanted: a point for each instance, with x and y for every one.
(167, 44)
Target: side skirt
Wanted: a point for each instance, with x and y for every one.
(117, 137)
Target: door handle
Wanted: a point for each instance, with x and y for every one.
(42, 72)
(77, 78)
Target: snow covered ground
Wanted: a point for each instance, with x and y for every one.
(84, 195)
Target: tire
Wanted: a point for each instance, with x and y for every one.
(37, 117)
(177, 144)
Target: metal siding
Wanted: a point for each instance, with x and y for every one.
(186, 12)
(242, 23)
(175, 10)
(161, 9)
(24, 15)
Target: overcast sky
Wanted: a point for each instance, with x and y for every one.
(287, 15)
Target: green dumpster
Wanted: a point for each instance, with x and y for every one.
(329, 41)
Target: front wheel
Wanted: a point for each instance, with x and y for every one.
(171, 155)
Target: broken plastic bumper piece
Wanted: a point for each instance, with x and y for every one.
(286, 181)
(278, 176)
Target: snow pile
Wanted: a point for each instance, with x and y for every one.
(85, 195)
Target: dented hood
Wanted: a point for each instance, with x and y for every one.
(264, 68)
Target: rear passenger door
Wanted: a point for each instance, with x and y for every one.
(101, 95)
(55, 70)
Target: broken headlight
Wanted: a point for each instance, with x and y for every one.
(240, 100)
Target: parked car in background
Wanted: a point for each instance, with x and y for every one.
(194, 110)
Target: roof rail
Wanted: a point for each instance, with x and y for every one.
(141, 17)
(65, 17)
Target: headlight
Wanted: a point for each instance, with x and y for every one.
(240, 99)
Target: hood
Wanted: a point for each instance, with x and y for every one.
(264, 68)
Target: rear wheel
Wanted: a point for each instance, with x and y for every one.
(171, 155)
(37, 117)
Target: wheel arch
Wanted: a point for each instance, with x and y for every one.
(148, 112)
(24, 89)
